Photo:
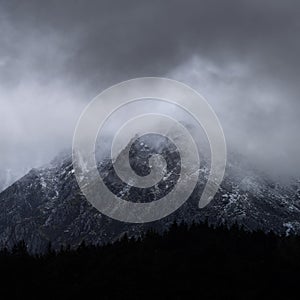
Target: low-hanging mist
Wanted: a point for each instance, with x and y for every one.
(242, 56)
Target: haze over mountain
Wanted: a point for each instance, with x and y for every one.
(55, 56)
(8, 177)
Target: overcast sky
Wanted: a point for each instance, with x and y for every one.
(242, 56)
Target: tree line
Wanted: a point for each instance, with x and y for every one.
(185, 262)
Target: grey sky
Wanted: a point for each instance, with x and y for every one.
(241, 55)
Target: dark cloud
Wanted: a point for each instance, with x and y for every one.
(242, 55)
(116, 38)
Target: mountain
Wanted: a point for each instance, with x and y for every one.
(46, 205)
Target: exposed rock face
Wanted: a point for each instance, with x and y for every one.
(47, 205)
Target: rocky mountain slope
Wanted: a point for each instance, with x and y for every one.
(46, 205)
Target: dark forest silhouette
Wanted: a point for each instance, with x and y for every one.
(186, 262)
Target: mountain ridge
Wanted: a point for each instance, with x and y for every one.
(46, 205)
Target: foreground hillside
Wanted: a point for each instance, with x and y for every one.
(183, 263)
